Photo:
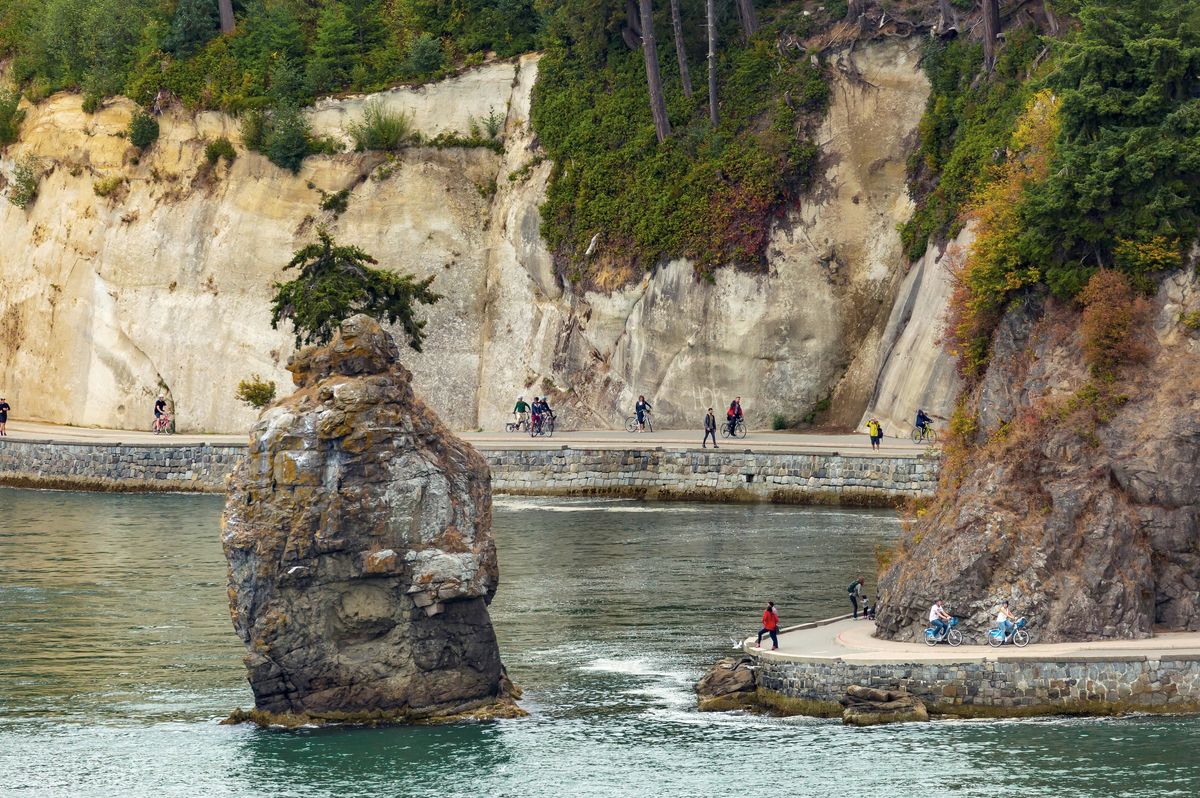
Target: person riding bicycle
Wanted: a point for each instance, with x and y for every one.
(160, 414)
(734, 414)
(939, 619)
(1005, 620)
(521, 411)
(923, 421)
(640, 409)
(541, 412)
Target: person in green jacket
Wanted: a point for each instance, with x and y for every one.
(521, 411)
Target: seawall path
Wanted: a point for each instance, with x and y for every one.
(816, 662)
(786, 468)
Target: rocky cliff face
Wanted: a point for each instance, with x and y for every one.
(361, 558)
(162, 285)
(1083, 512)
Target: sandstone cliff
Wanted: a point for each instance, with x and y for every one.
(162, 285)
(1081, 508)
(361, 557)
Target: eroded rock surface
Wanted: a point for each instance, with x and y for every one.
(1092, 531)
(867, 706)
(361, 557)
(729, 684)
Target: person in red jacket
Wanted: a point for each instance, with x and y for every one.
(770, 626)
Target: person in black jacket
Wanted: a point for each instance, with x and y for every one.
(710, 429)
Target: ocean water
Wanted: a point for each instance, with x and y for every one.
(117, 661)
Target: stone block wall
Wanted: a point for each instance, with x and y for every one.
(1011, 686)
(635, 473)
(117, 467)
(721, 476)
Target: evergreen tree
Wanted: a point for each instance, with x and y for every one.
(194, 23)
(336, 282)
(333, 51)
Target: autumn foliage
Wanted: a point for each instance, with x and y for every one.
(995, 268)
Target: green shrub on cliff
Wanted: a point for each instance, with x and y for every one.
(381, 129)
(336, 282)
(23, 185)
(11, 116)
(142, 130)
(256, 392)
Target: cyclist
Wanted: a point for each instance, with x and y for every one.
(541, 412)
(4, 408)
(640, 409)
(1005, 619)
(939, 619)
(521, 411)
(733, 415)
(923, 422)
(160, 414)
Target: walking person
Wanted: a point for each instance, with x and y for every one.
(770, 626)
(875, 430)
(710, 429)
(4, 408)
(857, 594)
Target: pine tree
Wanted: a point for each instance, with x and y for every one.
(334, 49)
(194, 23)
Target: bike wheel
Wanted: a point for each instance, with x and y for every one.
(631, 424)
(931, 435)
(994, 640)
(954, 637)
(740, 430)
(548, 428)
(916, 435)
(649, 424)
(1020, 638)
(510, 427)
(725, 430)
(930, 637)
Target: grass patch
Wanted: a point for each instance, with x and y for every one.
(381, 129)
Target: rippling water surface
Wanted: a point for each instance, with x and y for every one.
(117, 659)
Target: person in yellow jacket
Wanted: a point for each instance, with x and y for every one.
(875, 430)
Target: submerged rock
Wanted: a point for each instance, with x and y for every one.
(361, 558)
(867, 706)
(729, 684)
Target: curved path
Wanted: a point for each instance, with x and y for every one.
(758, 441)
(851, 641)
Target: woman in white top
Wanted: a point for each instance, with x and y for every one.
(1005, 618)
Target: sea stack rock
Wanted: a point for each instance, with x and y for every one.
(359, 541)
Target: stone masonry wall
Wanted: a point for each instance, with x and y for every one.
(637, 473)
(1011, 686)
(720, 476)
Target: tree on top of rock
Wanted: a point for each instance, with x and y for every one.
(336, 282)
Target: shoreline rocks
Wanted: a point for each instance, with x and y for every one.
(867, 706)
(361, 558)
(729, 684)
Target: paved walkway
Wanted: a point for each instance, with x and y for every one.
(851, 641)
(761, 441)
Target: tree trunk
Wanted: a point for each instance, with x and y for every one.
(710, 12)
(949, 18)
(658, 105)
(991, 29)
(748, 17)
(225, 7)
(854, 10)
(685, 77)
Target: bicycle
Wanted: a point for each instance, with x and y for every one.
(163, 425)
(952, 636)
(926, 434)
(542, 426)
(1018, 636)
(521, 425)
(735, 429)
(631, 423)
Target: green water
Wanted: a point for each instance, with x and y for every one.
(117, 660)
